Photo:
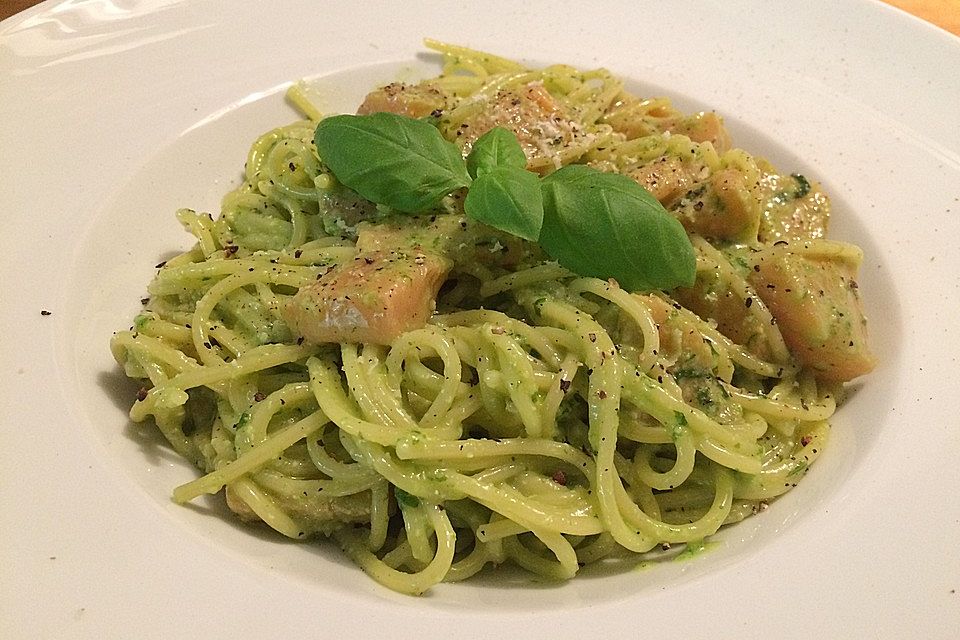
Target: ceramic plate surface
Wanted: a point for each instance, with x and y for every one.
(113, 114)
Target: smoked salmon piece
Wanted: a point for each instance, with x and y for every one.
(412, 100)
(817, 306)
(548, 135)
(374, 298)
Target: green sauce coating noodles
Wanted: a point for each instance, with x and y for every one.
(538, 418)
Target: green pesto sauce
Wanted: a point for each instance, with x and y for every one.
(695, 548)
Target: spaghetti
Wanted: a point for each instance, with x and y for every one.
(538, 417)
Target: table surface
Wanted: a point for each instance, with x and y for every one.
(943, 13)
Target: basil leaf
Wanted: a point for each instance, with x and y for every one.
(606, 225)
(390, 159)
(508, 199)
(496, 148)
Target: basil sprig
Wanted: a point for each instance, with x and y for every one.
(503, 194)
(593, 223)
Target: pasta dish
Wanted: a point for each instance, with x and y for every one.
(502, 315)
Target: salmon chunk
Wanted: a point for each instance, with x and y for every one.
(413, 100)
(712, 298)
(680, 341)
(705, 126)
(374, 298)
(721, 208)
(793, 207)
(665, 178)
(547, 134)
(817, 307)
(691, 359)
(453, 236)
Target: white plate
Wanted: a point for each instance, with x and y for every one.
(113, 114)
